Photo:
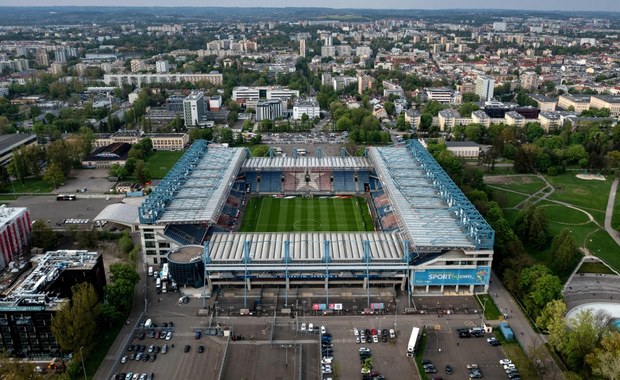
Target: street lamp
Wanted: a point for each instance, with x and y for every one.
(82, 357)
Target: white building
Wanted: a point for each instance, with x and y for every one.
(194, 109)
(443, 95)
(139, 79)
(309, 107)
(251, 95)
(162, 67)
(485, 87)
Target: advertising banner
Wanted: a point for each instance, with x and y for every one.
(477, 276)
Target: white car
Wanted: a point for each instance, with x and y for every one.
(310, 327)
(375, 339)
(363, 338)
(303, 326)
(323, 330)
(358, 340)
(356, 332)
(327, 360)
(505, 361)
(392, 333)
(169, 335)
(124, 359)
(509, 366)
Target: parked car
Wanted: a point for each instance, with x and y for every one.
(187, 348)
(198, 334)
(201, 349)
(124, 359)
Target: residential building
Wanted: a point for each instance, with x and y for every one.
(480, 117)
(485, 87)
(137, 65)
(450, 118)
(529, 80)
(339, 83)
(545, 104)
(308, 106)
(549, 120)
(515, 118)
(194, 109)
(41, 58)
(364, 82)
(390, 88)
(162, 67)
(15, 229)
(139, 79)
(302, 48)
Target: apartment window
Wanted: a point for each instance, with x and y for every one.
(149, 244)
(151, 252)
(149, 236)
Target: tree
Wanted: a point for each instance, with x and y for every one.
(344, 123)
(467, 108)
(54, 175)
(564, 252)
(605, 359)
(118, 171)
(75, 324)
(531, 226)
(584, 332)
(123, 271)
(538, 287)
(125, 243)
(141, 172)
(390, 108)
(43, 236)
(226, 135)
(426, 121)
(57, 153)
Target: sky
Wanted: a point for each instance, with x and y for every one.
(566, 5)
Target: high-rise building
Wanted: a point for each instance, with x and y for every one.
(41, 58)
(137, 65)
(194, 109)
(269, 110)
(162, 67)
(485, 87)
(302, 48)
(529, 80)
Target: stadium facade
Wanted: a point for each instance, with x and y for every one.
(428, 237)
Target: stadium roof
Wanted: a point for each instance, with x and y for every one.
(431, 211)
(196, 188)
(306, 247)
(279, 163)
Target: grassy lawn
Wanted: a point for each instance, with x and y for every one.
(563, 215)
(160, 162)
(603, 246)
(528, 184)
(615, 219)
(268, 214)
(491, 312)
(594, 268)
(419, 355)
(507, 199)
(590, 195)
(30, 185)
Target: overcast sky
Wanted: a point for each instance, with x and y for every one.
(569, 5)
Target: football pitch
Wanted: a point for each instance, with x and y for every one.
(298, 214)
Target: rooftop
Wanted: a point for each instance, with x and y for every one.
(279, 163)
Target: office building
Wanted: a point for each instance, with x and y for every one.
(269, 110)
(27, 309)
(309, 107)
(194, 109)
(251, 95)
(485, 87)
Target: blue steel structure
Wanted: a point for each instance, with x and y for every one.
(478, 231)
(154, 206)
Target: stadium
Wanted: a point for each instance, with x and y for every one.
(391, 219)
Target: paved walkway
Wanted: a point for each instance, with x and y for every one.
(610, 211)
(529, 339)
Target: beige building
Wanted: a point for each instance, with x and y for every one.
(464, 149)
(480, 117)
(545, 104)
(137, 65)
(448, 119)
(515, 118)
(168, 141)
(579, 103)
(605, 101)
(549, 120)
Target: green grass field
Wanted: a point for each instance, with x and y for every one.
(268, 214)
(159, 163)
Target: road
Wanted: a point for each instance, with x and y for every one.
(530, 340)
(610, 210)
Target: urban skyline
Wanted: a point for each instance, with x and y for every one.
(553, 5)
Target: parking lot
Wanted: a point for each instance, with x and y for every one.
(275, 346)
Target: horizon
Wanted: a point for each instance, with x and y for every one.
(425, 5)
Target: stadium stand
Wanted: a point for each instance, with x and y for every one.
(186, 233)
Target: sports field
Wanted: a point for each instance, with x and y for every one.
(298, 214)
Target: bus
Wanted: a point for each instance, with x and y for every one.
(164, 272)
(62, 197)
(413, 342)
